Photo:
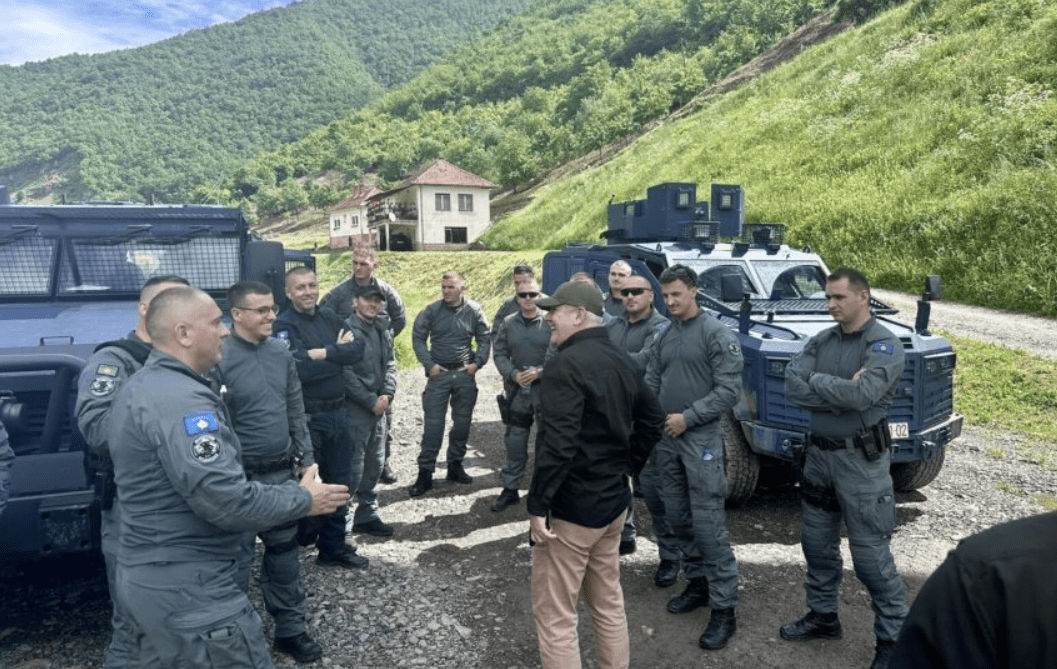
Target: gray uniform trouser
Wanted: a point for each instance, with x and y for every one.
(368, 458)
(125, 635)
(194, 614)
(650, 484)
(694, 488)
(864, 492)
(459, 389)
(522, 410)
(280, 578)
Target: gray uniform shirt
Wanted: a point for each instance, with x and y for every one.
(184, 494)
(450, 332)
(509, 306)
(695, 369)
(520, 343)
(375, 374)
(392, 312)
(7, 456)
(263, 396)
(819, 378)
(637, 338)
(102, 377)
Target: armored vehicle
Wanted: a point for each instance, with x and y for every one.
(70, 277)
(773, 296)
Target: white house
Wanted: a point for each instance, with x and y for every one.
(438, 206)
(348, 219)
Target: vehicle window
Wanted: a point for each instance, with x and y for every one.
(798, 282)
(711, 280)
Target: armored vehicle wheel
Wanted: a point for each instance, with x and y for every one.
(742, 465)
(907, 476)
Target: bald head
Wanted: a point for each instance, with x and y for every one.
(186, 323)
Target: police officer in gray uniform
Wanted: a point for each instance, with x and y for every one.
(392, 314)
(263, 394)
(370, 386)
(846, 377)
(7, 456)
(520, 348)
(103, 375)
(510, 305)
(635, 331)
(695, 369)
(443, 337)
(186, 503)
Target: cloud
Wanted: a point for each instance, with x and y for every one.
(40, 29)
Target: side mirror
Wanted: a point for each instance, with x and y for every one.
(933, 288)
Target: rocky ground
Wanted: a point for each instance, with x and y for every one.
(451, 588)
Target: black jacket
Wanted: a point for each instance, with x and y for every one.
(321, 380)
(598, 424)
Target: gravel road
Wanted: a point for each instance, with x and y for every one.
(450, 590)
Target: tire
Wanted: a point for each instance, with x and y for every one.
(742, 465)
(907, 476)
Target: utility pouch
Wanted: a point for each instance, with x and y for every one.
(868, 443)
(883, 434)
(504, 408)
(817, 496)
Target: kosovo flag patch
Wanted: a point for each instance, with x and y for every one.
(883, 347)
(200, 423)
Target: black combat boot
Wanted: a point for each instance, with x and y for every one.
(301, 647)
(457, 474)
(813, 626)
(422, 484)
(509, 497)
(883, 654)
(667, 573)
(695, 596)
(721, 626)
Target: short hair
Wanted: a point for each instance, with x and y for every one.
(298, 271)
(453, 275)
(524, 270)
(237, 293)
(153, 281)
(621, 263)
(363, 249)
(582, 277)
(636, 275)
(679, 273)
(855, 278)
(160, 312)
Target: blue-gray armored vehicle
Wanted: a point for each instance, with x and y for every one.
(70, 277)
(773, 296)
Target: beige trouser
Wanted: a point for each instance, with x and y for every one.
(581, 559)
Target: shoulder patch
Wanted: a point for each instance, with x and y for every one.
(284, 337)
(734, 348)
(205, 448)
(200, 423)
(103, 385)
(106, 370)
(883, 347)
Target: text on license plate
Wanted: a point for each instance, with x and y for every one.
(899, 430)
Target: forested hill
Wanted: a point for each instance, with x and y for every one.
(161, 119)
(558, 81)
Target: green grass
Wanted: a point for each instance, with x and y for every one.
(921, 143)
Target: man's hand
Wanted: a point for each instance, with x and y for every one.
(381, 405)
(345, 336)
(525, 377)
(859, 374)
(326, 497)
(317, 353)
(538, 530)
(674, 425)
(471, 368)
(435, 370)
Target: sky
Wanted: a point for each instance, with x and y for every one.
(36, 30)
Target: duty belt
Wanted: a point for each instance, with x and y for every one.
(254, 466)
(832, 444)
(452, 366)
(317, 406)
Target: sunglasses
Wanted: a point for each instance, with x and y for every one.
(262, 311)
(528, 294)
(628, 292)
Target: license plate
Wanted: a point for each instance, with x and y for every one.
(899, 430)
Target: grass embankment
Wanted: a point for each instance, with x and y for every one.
(921, 143)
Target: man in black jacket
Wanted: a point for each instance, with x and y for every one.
(598, 423)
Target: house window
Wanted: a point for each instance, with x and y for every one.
(465, 202)
(454, 235)
(443, 202)
(355, 222)
(337, 223)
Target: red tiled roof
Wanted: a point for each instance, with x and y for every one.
(442, 173)
(360, 195)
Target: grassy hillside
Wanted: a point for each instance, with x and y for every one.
(162, 119)
(922, 142)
